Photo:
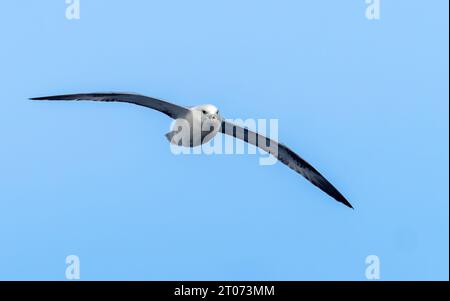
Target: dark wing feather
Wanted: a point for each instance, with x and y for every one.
(165, 107)
(285, 155)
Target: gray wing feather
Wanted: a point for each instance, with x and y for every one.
(171, 110)
(286, 156)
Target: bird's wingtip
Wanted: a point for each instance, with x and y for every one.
(36, 98)
(347, 203)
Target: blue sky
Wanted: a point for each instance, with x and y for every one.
(366, 102)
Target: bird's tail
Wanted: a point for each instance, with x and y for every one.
(169, 137)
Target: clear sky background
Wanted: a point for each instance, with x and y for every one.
(366, 102)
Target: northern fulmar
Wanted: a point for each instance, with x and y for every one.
(208, 117)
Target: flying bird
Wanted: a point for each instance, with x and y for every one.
(207, 118)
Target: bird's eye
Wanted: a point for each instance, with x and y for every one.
(203, 111)
(217, 112)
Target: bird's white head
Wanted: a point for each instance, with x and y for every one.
(209, 113)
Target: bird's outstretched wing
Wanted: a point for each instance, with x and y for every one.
(285, 155)
(165, 107)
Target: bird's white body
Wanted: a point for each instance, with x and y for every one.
(198, 126)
